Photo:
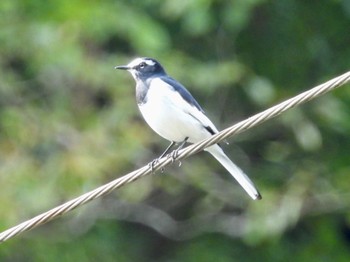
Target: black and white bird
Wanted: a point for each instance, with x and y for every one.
(172, 112)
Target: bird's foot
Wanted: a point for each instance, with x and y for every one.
(153, 163)
(173, 155)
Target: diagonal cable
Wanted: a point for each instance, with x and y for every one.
(184, 153)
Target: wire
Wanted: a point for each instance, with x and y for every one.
(184, 153)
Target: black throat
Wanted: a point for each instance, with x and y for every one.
(141, 92)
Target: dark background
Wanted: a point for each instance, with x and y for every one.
(69, 123)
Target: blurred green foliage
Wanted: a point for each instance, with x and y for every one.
(69, 123)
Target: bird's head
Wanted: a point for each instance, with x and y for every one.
(143, 68)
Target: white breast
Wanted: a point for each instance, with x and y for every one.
(171, 116)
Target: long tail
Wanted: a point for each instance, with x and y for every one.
(235, 171)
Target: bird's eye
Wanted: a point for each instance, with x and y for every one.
(142, 65)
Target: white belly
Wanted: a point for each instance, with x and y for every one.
(166, 113)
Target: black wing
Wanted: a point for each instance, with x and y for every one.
(182, 90)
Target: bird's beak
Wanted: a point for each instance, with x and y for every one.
(122, 67)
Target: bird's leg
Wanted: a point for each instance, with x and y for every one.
(155, 161)
(174, 154)
(167, 149)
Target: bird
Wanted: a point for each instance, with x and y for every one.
(173, 113)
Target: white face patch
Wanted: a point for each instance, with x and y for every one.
(150, 62)
(139, 60)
